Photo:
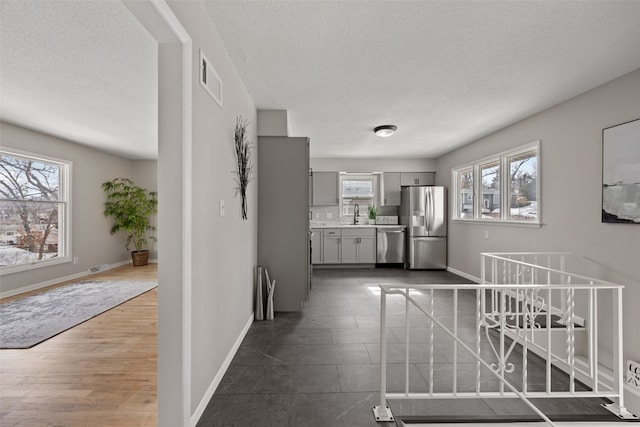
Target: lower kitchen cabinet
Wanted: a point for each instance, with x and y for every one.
(349, 250)
(332, 246)
(367, 249)
(316, 246)
(349, 246)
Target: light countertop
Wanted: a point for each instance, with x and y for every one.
(345, 225)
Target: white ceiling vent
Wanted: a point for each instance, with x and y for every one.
(210, 80)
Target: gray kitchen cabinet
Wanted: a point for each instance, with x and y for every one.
(331, 246)
(349, 249)
(359, 246)
(390, 189)
(316, 246)
(417, 178)
(367, 249)
(325, 189)
(283, 218)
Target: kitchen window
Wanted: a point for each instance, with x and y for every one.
(357, 189)
(34, 211)
(500, 188)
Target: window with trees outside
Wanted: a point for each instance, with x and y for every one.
(503, 187)
(357, 189)
(34, 207)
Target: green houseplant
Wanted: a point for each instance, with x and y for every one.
(131, 208)
(372, 211)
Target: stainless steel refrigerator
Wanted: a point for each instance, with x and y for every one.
(424, 211)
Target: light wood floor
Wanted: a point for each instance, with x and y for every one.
(100, 373)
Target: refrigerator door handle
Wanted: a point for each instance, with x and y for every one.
(427, 225)
(432, 214)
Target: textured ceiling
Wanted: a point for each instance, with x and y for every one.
(445, 72)
(81, 70)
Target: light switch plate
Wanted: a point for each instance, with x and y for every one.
(221, 207)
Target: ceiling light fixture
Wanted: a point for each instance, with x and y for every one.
(385, 130)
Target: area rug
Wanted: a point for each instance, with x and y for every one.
(28, 321)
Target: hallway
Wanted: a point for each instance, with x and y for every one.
(321, 367)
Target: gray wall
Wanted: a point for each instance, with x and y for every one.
(571, 174)
(224, 248)
(145, 174)
(91, 241)
(372, 165)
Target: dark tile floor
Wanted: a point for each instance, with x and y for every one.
(321, 367)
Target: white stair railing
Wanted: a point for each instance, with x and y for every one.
(520, 307)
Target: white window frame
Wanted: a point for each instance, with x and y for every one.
(355, 176)
(505, 191)
(64, 217)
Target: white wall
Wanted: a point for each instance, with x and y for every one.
(224, 248)
(571, 176)
(91, 240)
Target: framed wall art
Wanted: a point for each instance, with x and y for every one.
(621, 173)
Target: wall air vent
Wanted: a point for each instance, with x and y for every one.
(99, 268)
(210, 80)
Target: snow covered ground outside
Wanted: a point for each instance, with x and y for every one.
(528, 212)
(10, 255)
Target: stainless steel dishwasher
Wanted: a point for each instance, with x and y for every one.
(390, 245)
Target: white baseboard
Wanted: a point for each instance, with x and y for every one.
(50, 282)
(463, 274)
(195, 417)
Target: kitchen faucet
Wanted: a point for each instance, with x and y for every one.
(356, 213)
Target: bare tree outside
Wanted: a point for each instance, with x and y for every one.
(29, 207)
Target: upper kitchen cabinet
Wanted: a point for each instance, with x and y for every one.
(390, 189)
(324, 189)
(417, 178)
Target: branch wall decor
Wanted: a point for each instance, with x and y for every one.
(243, 160)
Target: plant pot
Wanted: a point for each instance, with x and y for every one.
(372, 221)
(140, 258)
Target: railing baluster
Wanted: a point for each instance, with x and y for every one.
(431, 347)
(494, 276)
(455, 343)
(594, 327)
(572, 346)
(406, 340)
(618, 350)
(589, 324)
(503, 322)
(563, 296)
(548, 315)
(525, 324)
(479, 318)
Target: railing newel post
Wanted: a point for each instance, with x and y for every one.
(382, 412)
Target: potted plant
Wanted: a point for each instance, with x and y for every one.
(131, 208)
(371, 210)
